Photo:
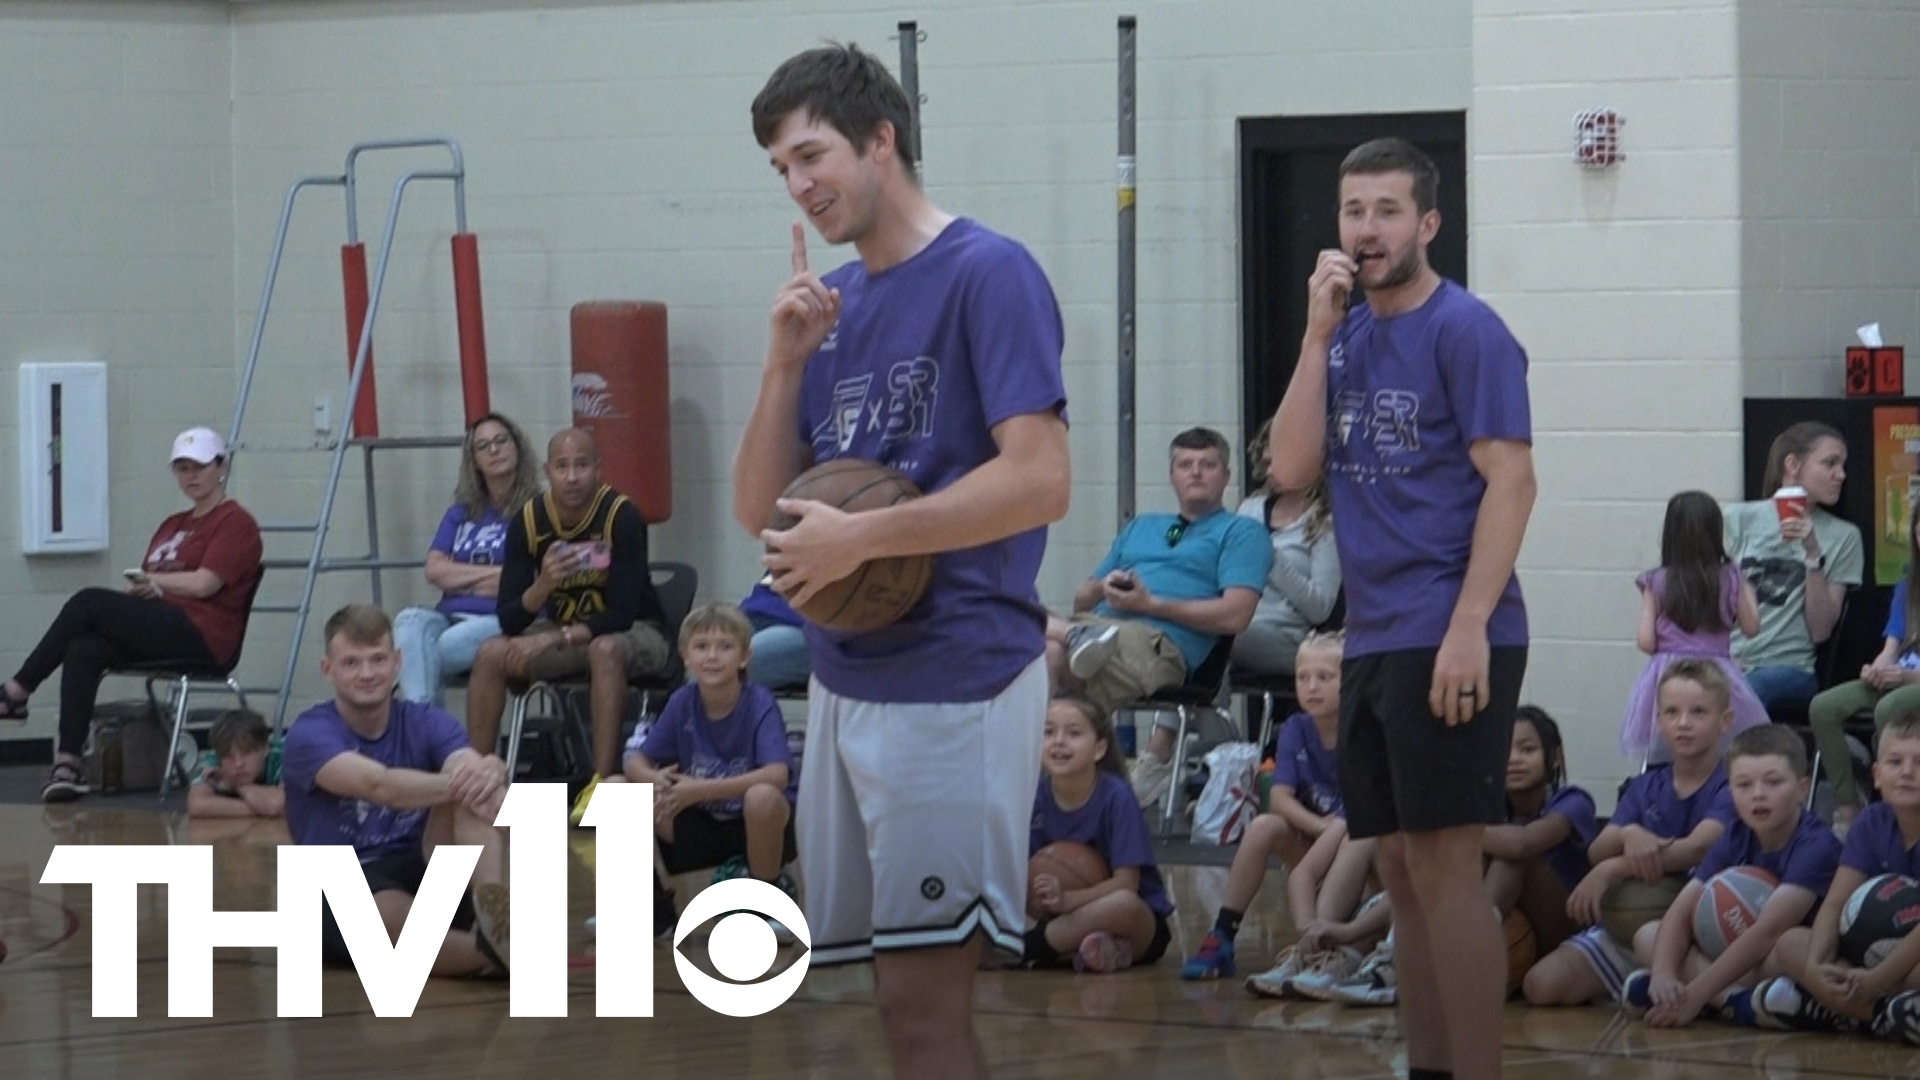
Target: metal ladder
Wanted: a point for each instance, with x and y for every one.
(316, 561)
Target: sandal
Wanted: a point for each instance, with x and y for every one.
(12, 709)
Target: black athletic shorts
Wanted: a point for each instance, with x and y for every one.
(389, 873)
(1402, 769)
(701, 840)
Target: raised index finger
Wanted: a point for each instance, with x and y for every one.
(799, 248)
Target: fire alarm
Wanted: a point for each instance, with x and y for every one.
(1596, 138)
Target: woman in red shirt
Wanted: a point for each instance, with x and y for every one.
(186, 605)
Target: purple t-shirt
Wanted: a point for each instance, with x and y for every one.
(928, 356)
(1111, 823)
(1569, 857)
(1874, 845)
(1808, 859)
(1406, 397)
(418, 736)
(1311, 769)
(752, 735)
(1652, 802)
(1669, 637)
(475, 541)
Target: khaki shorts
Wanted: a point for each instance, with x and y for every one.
(1145, 662)
(647, 653)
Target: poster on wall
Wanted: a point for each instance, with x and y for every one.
(1896, 487)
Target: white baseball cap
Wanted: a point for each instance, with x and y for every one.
(200, 444)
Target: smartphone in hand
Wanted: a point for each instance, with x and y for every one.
(596, 555)
(134, 576)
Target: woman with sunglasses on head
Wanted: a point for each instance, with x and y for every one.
(497, 477)
(185, 604)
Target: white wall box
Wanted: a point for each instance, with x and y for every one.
(63, 458)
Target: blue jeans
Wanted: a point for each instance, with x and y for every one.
(433, 646)
(1779, 685)
(780, 658)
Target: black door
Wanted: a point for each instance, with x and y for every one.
(1289, 189)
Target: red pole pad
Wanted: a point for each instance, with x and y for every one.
(353, 276)
(473, 326)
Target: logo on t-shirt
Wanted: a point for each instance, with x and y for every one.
(168, 550)
(1774, 580)
(897, 412)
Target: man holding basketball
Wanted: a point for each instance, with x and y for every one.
(1416, 400)
(936, 352)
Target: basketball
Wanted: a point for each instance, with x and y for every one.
(1729, 905)
(879, 590)
(1075, 865)
(1879, 913)
(1522, 949)
(1628, 905)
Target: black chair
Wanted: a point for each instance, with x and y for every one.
(1200, 691)
(675, 584)
(183, 680)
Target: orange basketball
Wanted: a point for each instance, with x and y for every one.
(1522, 949)
(879, 590)
(1075, 865)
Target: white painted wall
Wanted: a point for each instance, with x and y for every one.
(1829, 186)
(1624, 286)
(611, 156)
(116, 242)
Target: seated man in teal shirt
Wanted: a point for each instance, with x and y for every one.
(1171, 586)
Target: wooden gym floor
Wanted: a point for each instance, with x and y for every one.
(1143, 1023)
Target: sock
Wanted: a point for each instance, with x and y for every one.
(1429, 1074)
(1228, 923)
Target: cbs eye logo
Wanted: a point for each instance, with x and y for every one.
(742, 946)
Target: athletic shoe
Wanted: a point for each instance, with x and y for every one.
(1318, 975)
(1150, 777)
(1089, 647)
(64, 784)
(1101, 952)
(734, 867)
(1636, 993)
(1277, 982)
(1898, 1017)
(1374, 984)
(580, 804)
(1213, 960)
(1779, 1003)
(491, 931)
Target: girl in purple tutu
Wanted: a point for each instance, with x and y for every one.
(1689, 607)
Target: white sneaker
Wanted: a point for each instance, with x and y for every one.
(1150, 777)
(1321, 973)
(1089, 647)
(1278, 982)
(1373, 984)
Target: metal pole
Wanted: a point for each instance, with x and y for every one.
(910, 82)
(1123, 177)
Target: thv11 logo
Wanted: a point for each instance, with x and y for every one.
(742, 945)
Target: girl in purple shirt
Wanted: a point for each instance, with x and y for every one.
(1538, 857)
(1084, 798)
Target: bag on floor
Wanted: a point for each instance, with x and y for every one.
(1227, 803)
(126, 748)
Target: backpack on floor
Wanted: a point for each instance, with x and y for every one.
(127, 748)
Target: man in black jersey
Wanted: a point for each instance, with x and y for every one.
(575, 597)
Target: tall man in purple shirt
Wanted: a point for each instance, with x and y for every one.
(1416, 400)
(937, 352)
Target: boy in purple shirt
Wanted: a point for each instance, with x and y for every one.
(1415, 402)
(1661, 828)
(1824, 989)
(936, 352)
(1767, 771)
(722, 774)
(395, 779)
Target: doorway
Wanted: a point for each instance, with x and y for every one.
(1289, 188)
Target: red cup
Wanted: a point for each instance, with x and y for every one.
(1790, 503)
